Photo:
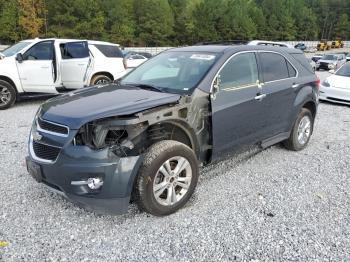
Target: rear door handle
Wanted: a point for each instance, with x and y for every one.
(44, 67)
(260, 97)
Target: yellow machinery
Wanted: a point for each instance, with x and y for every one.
(323, 45)
(338, 43)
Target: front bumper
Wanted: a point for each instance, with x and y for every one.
(325, 66)
(79, 163)
(335, 95)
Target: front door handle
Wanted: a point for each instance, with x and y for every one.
(44, 67)
(295, 85)
(260, 97)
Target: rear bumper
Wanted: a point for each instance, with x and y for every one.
(79, 163)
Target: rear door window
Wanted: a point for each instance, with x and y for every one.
(110, 50)
(74, 50)
(274, 67)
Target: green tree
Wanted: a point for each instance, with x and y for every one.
(207, 16)
(75, 19)
(280, 23)
(154, 22)
(183, 21)
(236, 22)
(8, 21)
(119, 21)
(342, 28)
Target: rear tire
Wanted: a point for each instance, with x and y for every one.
(301, 131)
(167, 178)
(7, 95)
(100, 80)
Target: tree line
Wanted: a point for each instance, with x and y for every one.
(174, 22)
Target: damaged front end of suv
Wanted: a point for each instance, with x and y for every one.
(93, 156)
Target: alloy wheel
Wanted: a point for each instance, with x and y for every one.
(102, 81)
(172, 181)
(304, 130)
(5, 96)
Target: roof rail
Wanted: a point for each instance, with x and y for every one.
(224, 42)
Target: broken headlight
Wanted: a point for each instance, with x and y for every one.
(99, 137)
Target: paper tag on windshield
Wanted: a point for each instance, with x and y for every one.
(202, 57)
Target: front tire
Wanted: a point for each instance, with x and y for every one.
(301, 131)
(167, 178)
(7, 95)
(100, 80)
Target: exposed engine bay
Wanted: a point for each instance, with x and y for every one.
(187, 121)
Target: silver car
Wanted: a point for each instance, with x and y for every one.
(331, 62)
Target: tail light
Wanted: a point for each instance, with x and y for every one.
(317, 83)
(125, 63)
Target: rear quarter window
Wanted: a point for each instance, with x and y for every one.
(110, 51)
(301, 58)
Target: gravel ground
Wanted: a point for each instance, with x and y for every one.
(257, 206)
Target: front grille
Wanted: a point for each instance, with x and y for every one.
(324, 65)
(52, 127)
(45, 151)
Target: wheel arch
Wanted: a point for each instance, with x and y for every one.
(179, 131)
(9, 80)
(104, 73)
(311, 105)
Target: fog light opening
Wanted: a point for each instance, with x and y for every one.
(94, 183)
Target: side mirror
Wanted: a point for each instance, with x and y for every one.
(331, 71)
(19, 58)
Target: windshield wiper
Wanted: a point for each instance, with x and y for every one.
(147, 86)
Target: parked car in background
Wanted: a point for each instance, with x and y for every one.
(317, 57)
(131, 52)
(51, 66)
(331, 61)
(336, 88)
(300, 46)
(134, 60)
(145, 54)
(146, 134)
(347, 57)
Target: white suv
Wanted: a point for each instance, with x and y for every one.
(51, 66)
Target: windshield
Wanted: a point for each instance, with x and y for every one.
(344, 70)
(174, 72)
(12, 50)
(329, 57)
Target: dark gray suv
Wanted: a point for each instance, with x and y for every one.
(144, 136)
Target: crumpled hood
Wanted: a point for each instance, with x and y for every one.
(79, 107)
